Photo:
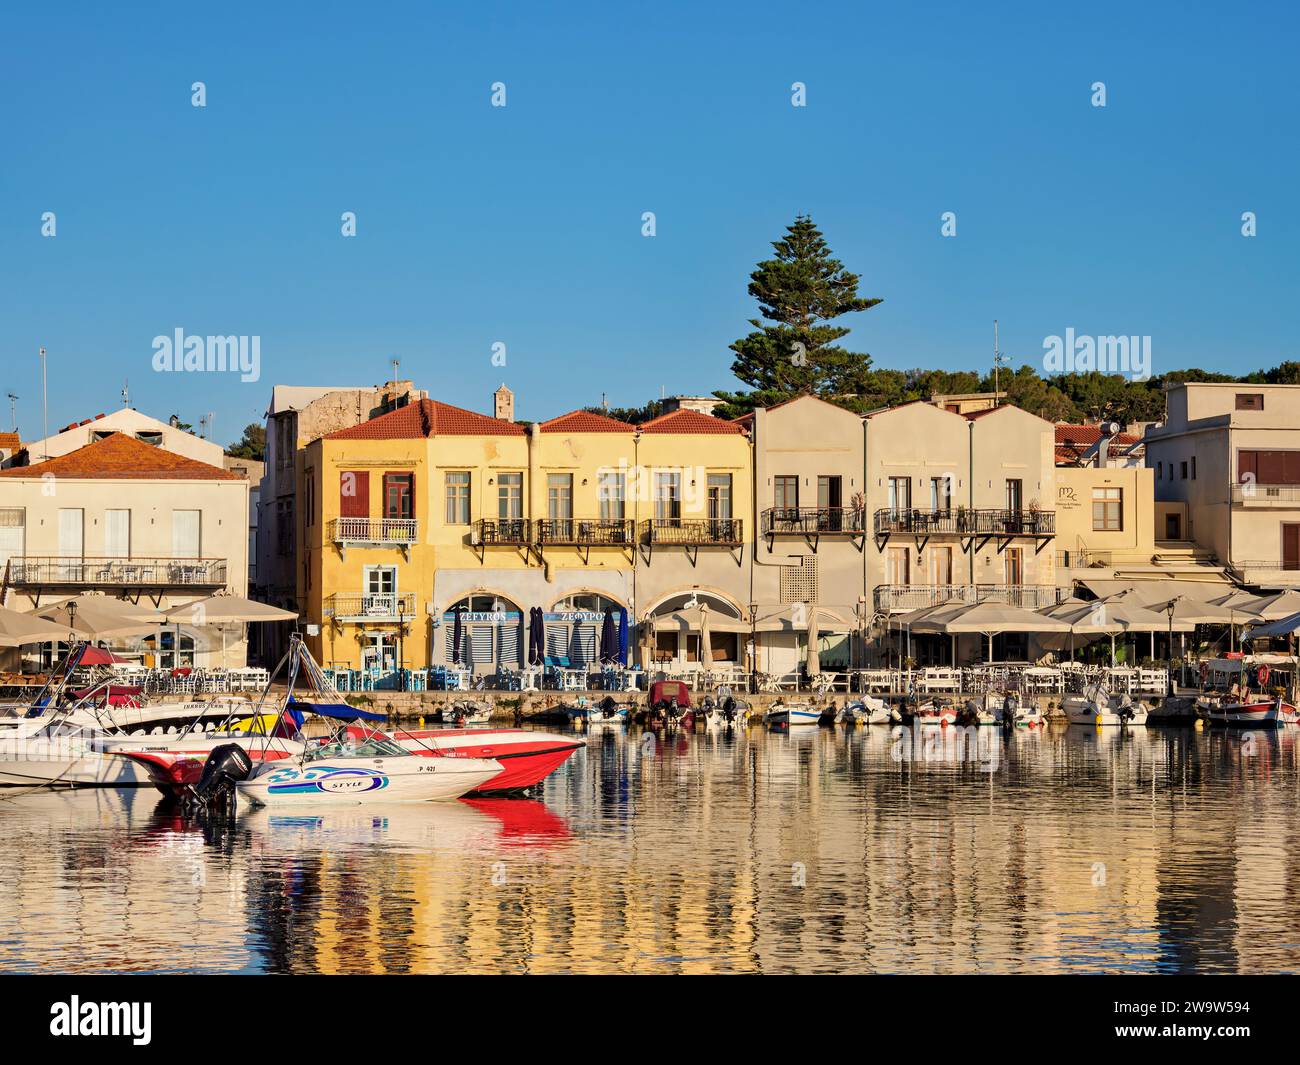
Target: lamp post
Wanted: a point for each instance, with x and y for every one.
(1169, 611)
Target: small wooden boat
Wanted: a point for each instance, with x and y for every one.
(789, 715)
(866, 710)
(1262, 713)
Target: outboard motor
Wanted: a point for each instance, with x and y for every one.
(1010, 710)
(215, 792)
(729, 710)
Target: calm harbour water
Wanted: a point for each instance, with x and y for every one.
(1064, 850)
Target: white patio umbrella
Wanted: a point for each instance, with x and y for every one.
(89, 619)
(988, 619)
(706, 649)
(17, 629)
(224, 609)
(814, 663)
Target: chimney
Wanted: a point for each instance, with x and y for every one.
(503, 404)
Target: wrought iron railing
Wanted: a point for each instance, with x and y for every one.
(813, 521)
(902, 597)
(584, 531)
(378, 605)
(375, 530)
(510, 531)
(962, 522)
(118, 572)
(695, 532)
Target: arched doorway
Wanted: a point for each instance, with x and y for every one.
(677, 622)
(491, 635)
(573, 626)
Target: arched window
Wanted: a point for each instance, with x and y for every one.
(574, 624)
(677, 632)
(491, 633)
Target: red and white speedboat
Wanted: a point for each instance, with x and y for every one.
(526, 757)
(1260, 713)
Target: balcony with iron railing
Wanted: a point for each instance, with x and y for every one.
(813, 521)
(40, 570)
(1254, 494)
(367, 606)
(585, 532)
(900, 598)
(511, 532)
(374, 532)
(960, 521)
(694, 532)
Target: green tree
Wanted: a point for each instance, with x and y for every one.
(800, 293)
(252, 445)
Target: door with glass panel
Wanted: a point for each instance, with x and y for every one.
(668, 500)
(559, 505)
(379, 598)
(719, 502)
(72, 525)
(510, 504)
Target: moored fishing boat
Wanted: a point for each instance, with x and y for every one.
(788, 715)
(865, 710)
(1098, 706)
(1261, 713)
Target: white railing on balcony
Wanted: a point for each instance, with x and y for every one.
(1245, 493)
(375, 530)
(371, 605)
(898, 598)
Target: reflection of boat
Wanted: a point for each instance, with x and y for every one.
(1263, 713)
(526, 757)
(1098, 706)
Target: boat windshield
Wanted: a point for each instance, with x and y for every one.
(371, 747)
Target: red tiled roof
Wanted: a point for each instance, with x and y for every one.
(584, 421)
(690, 421)
(1073, 441)
(746, 420)
(427, 418)
(10, 441)
(119, 457)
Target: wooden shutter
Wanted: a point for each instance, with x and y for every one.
(354, 494)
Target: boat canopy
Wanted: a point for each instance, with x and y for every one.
(338, 711)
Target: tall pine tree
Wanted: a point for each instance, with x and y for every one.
(800, 293)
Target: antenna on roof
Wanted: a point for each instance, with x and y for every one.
(126, 393)
(13, 410)
(205, 425)
(45, 407)
(1000, 359)
(396, 363)
(604, 402)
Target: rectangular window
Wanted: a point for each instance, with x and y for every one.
(829, 492)
(940, 564)
(1268, 467)
(117, 534)
(1193, 467)
(941, 495)
(1015, 565)
(899, 569)
(900, 495)
(399, 495)
(559, 496)
(1160, 471)
(720, 496)
(1107, 509)
(457, 512)
(1250, 400)
(186, 539)
(1015, 495)
(785, 492)
(612, 489)
(354, 493)
(510, 496)
(668, 495)
(13, 522)
(309, 497)
(1182, 469)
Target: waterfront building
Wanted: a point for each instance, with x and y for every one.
(432, 510)
(1227, 475)
(128, 518)
(962, 508)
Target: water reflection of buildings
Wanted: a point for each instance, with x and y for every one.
(686, 856)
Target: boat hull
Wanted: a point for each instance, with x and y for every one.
(1270, 714)
(792, 717)
(526, 758)
(347, 781)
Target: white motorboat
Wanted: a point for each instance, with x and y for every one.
(782, 715)
(375, 769)
(1098, 706)
(866, 710)
(467, 712)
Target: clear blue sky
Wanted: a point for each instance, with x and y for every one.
(522, 225)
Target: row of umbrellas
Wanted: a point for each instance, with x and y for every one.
(97, 616)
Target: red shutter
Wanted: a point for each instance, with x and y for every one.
(1246, 466)
(354, 494)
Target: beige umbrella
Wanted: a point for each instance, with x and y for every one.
(648, 643)
(988, 618)
(99, 601)
(814, 664)
(17, 628)
(706, 651)
(92, 620)
(225, 609)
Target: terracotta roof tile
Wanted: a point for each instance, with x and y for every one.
(121, 458)
(585, 421)
(427, 418)
(10, 442)
(1073, 441)
(690, 421)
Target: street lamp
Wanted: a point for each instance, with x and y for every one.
(1170, 607)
